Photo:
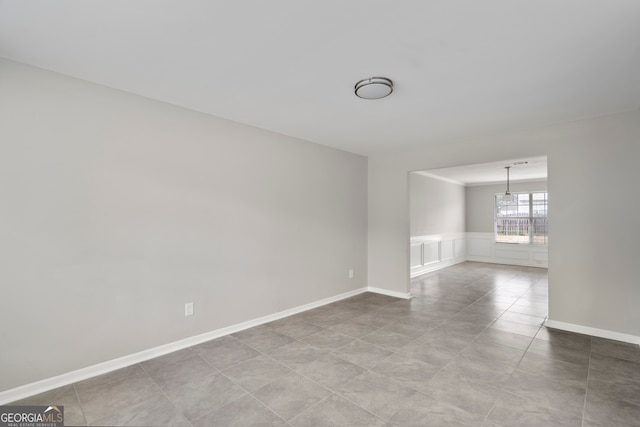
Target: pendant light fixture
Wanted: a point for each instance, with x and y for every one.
(508, 197)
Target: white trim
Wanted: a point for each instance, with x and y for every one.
(503, 182)
(457, 242)
(587, 330)
(419, 271)
(440, 178)
(387, 292)
(437, 237)
(481, 247)
(47, 384)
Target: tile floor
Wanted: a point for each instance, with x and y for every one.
(467, 350)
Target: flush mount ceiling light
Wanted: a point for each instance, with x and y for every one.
(374, 88)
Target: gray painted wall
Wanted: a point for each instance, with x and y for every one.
(116, 210)
(479, 202)
(594, 276)
(436, 206)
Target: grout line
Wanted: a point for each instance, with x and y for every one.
(332, 352)
(247, 392)
(165, 394)
(586, 392)
(493, 405)
(265, 406)
(502, 390)
(312, 406)
(332, 392)
(75, 390)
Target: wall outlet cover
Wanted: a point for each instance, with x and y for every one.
(188, 309)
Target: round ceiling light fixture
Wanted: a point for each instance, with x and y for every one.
(374, 88)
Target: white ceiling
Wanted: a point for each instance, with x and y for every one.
(460, 67)
(524, 169)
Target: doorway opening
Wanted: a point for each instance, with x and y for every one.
(460, 214)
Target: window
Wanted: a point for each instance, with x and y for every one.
(523, 220)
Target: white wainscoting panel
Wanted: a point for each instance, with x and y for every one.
(430, 252)
(511, 253)
(541, 256)
(416, 255)
(478, 246)
(446, 250)
(437, 251)
(460, 249)
(481, 247)
(433, 252)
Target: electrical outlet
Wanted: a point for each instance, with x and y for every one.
(188, 309)
(351, 273)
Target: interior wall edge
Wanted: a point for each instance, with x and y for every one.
(389, 293)
(595, 332)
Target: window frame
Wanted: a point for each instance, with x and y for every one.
(530, 218)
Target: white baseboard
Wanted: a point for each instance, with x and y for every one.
(38, 387)
(387, 292)
(507, 261)
(587, 330)
(415, 272)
